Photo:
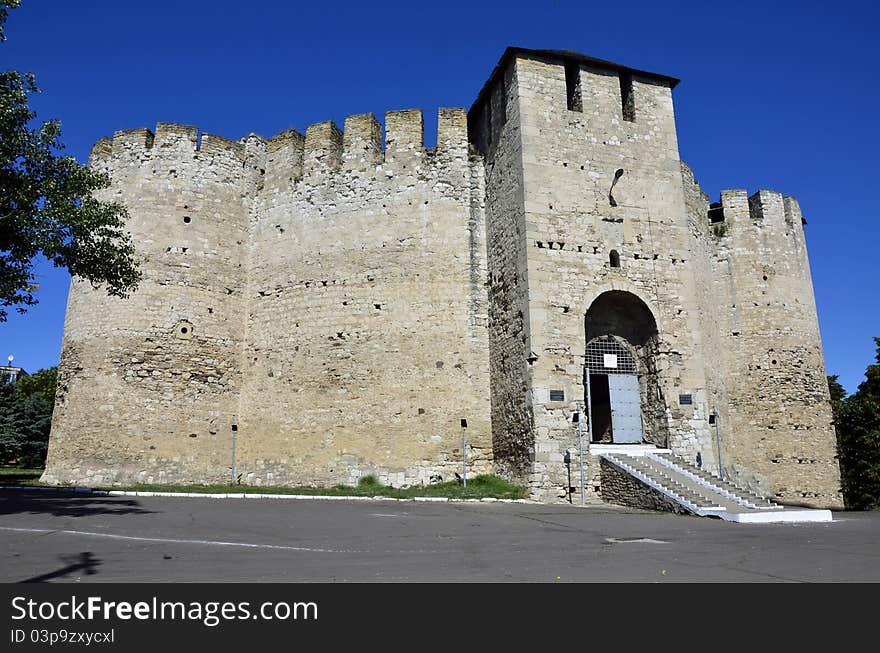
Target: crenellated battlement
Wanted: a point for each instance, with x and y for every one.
(362, 141)
(323, 148)
(766, 207)
(768, 210)
(218, 145)
(101, 152)
(173, 135)
(290, 156)
(168, 141)
(284, 160)
(326, 149)
(404, 134)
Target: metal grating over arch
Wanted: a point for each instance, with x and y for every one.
(607, 356)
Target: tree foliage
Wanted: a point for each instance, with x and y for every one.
(857, 421)
(41, 382)
(24, 427)
(48, 206)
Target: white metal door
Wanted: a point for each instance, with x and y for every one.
(626, 411)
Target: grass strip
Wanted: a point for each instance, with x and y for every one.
(479, 487)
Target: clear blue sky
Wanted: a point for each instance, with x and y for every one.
(773, 95)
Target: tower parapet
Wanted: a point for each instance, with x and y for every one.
(776, 423)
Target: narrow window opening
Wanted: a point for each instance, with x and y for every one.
(614, 259)
(502, 105)
(573, 86)
(627, 98)
(488, 109)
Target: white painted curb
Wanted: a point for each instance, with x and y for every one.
(780, 517)
(254, 495)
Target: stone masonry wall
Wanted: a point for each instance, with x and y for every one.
(774, 405)
(713, 290)
(318, 300)
(569, 160)
(494, 129)
(149, 386)
(366, 342)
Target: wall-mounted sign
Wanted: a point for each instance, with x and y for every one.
(557, 395)
(685, 400)
(610, 360)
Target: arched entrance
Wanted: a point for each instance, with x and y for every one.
(626, 404)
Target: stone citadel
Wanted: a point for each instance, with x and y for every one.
(318, 307)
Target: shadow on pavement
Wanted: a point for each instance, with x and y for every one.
(84, 562)
(63, 504)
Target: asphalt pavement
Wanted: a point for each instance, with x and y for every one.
(59, 537)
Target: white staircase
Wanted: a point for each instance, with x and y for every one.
(702, 492)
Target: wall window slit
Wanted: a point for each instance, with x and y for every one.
(614, 258)
(627, 97)
(573, 86)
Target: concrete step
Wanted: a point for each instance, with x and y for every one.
(715, 483)
(674, 485)
(703, 493)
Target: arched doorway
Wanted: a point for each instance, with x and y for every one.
(626, 404)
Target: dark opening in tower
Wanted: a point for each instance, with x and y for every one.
(627, 97)
(716, 213)
(573, 86)
(621, 377)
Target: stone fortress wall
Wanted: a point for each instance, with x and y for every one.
(335, 308)
(314, 298)
(149, 386)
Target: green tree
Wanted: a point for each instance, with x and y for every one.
(47, 204)
(24, 427)
(857, 421)
(41, 382)
(838, 396)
